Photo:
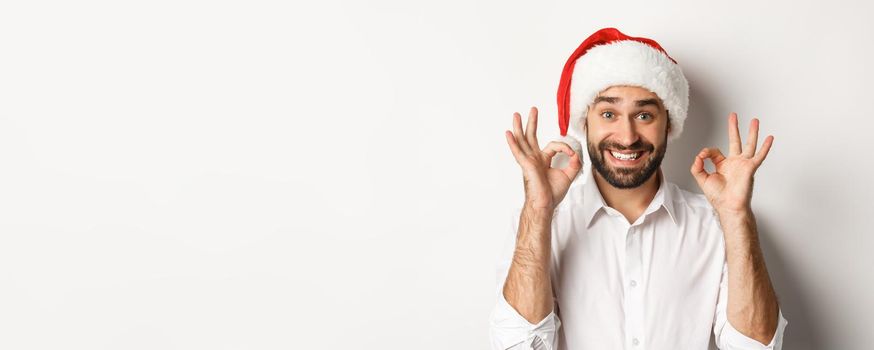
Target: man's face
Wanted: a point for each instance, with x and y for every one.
(631, 121)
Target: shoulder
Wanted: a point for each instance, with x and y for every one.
(695, 204)
(690, 199)
(698, 218)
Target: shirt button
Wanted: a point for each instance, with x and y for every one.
(633, 283)
(635, 341)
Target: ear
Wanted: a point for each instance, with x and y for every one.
(668, 114)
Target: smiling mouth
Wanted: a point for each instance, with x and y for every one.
(626, 157)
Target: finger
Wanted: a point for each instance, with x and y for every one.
(752, 139)
(554, 147)
(574, 165)
(714, 154)
(733, 135)
(519, 135)
(766, 146)
(517, 152)
(531, 131)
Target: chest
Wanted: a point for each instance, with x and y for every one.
(649, 270)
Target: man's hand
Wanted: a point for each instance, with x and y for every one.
(730, 187)
(528, 287)
(752, 306)
(545, 187)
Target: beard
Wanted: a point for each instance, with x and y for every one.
(626, 177)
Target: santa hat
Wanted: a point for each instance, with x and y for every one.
(608, 58)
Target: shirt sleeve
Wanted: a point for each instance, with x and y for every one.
(729, 338)
(507, 328)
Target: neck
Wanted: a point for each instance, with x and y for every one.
(631, 202)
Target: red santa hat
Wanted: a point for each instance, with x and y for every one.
(608, 58)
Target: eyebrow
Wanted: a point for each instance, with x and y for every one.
(613, 100)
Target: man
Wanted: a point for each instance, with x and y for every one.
(616, 257)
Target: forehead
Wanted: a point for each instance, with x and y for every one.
(621, 94)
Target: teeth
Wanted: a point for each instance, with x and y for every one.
(624, 156)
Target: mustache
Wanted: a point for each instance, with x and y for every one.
(639, 145)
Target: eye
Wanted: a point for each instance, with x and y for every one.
(646, 116)
(605, 116)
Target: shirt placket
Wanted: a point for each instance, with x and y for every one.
(633, 289)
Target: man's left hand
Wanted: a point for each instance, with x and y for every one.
(730, 187)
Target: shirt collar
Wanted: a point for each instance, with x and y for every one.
(593, 202)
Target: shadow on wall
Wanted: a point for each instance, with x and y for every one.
(704, 125)
(801, 332)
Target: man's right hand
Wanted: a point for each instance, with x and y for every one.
(545, 186)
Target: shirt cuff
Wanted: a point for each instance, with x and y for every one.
(734, 339)
(509, 328)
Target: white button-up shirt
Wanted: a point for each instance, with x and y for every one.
(658, 283)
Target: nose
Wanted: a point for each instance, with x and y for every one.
(625, 132)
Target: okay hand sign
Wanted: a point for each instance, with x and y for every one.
(730, 187)
(545, 186)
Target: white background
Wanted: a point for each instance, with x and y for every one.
(268, 175)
